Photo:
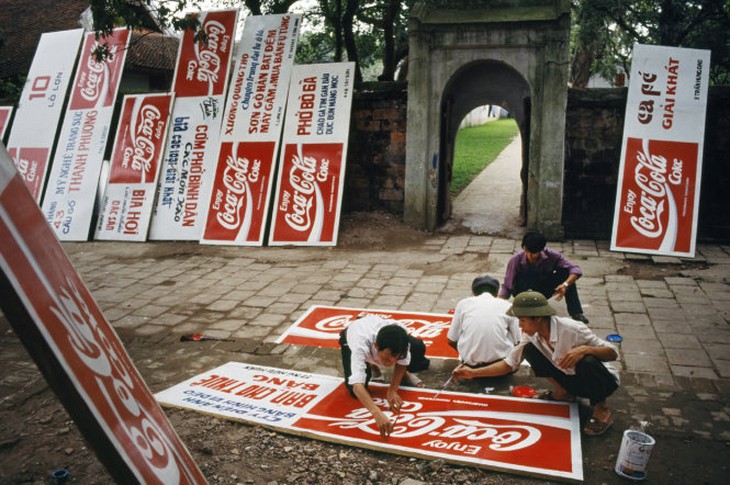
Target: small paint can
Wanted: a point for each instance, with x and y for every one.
(634, 454)
(523, 391)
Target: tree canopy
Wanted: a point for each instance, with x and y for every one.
(373, 33)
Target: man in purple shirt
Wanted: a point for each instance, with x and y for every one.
(541, 269)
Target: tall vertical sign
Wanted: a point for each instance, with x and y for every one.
(126, 207)
(40, 106)
(68, 202)
(312, 167)
(661, 157)
(77, 350)
(251, 130)
(191, 149)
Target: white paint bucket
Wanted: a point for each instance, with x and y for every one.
(634, 454)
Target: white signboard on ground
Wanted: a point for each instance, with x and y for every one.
(527, 436)
(191, 149)
(68, 202)
(40, 105)
(239, 202)
(658, 191)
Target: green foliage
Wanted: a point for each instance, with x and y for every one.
(606, 30)
(11, 89)
(476, 147)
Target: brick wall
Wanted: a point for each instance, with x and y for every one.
(376, 169)
(375, 174)
(594, 129)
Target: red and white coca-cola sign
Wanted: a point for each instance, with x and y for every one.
(251, 131)
(321, 325)
(658, 195)
(659, 178)
(126, 206)
(5, 113)
(95, 85)
(309, 193)
(528, 436)
(312, 164)
(140, 136)
(238, 201)
(204, 71)
(82, 346)
(39, 107)
(31, 164)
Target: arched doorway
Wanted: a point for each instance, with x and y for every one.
(476, 84)
(504, 54)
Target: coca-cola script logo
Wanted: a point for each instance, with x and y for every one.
(140, 156)
(114, 386)
(27, 169)
(239, 171)
(471, 426)
(304, 176)
(205, 68)
(94, 76)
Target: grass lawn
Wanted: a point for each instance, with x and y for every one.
(477, 147)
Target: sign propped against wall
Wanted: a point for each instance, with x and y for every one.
(77, 350)
(68, 202)
(126, 207)
(312, 164)
(658, 192)
(40, 105)
(5, 113)
(186, 175)
(254, 117)
(321, 325)
(526, 436)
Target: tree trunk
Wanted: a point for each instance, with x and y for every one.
(348, 21)
(389, 61)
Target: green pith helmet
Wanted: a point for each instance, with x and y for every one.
(531, 304)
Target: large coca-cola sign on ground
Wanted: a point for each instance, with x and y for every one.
(526, 436)
(320, 326)
(661, 159)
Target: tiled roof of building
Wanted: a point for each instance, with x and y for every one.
(151, 51)
(22, 22)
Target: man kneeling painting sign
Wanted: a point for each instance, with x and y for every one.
(564, 351)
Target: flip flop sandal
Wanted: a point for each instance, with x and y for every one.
(413, 381)
(595, 427)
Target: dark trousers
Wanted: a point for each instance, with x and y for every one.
(591, 380)
(545, 283)
(418, 363)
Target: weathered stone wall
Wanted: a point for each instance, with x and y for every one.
(375, 174)
(594, 129)
(376, 156)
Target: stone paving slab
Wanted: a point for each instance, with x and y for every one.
(674, 358)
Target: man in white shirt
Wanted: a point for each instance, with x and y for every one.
(564, 351)
(371, 342)
(481, 331)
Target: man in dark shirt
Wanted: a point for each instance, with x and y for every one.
(541, 269)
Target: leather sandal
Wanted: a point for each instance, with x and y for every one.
(594, 427)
